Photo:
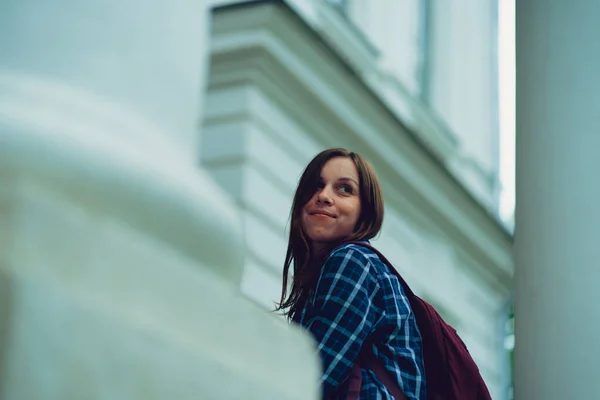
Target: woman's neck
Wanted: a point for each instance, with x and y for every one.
(321, 250)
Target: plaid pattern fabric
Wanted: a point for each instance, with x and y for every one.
(357, 297)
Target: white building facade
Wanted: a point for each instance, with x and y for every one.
(412, 86)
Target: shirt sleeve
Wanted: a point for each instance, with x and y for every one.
(342, 313)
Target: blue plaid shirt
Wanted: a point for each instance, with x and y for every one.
(358, 297)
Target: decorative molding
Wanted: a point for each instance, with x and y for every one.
(266, 44)
(414, 114)
(346, 38)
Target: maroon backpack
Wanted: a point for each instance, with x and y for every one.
(450, 372)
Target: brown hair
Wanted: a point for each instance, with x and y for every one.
(306, 267)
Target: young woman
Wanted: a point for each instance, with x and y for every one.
(343, 293)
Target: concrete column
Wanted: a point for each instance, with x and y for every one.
(557, 301)
(119, 258)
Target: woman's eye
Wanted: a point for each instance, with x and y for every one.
(346, 189)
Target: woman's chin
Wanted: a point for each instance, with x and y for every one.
(321, 237)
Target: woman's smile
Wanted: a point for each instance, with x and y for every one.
(322, 214)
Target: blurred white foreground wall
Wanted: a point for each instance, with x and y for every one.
(119, 258)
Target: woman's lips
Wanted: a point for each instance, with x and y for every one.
(320, 214)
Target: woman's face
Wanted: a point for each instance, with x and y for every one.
(333, 211)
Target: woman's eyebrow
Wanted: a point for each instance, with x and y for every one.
(347, 179)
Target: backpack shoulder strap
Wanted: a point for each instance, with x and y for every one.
(368, 360)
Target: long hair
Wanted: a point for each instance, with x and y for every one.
(306, 266)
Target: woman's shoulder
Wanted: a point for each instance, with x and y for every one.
(353, 262)
(356, 254)
(362, 251)
(361, 255)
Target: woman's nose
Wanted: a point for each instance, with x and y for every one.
(324, 197)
